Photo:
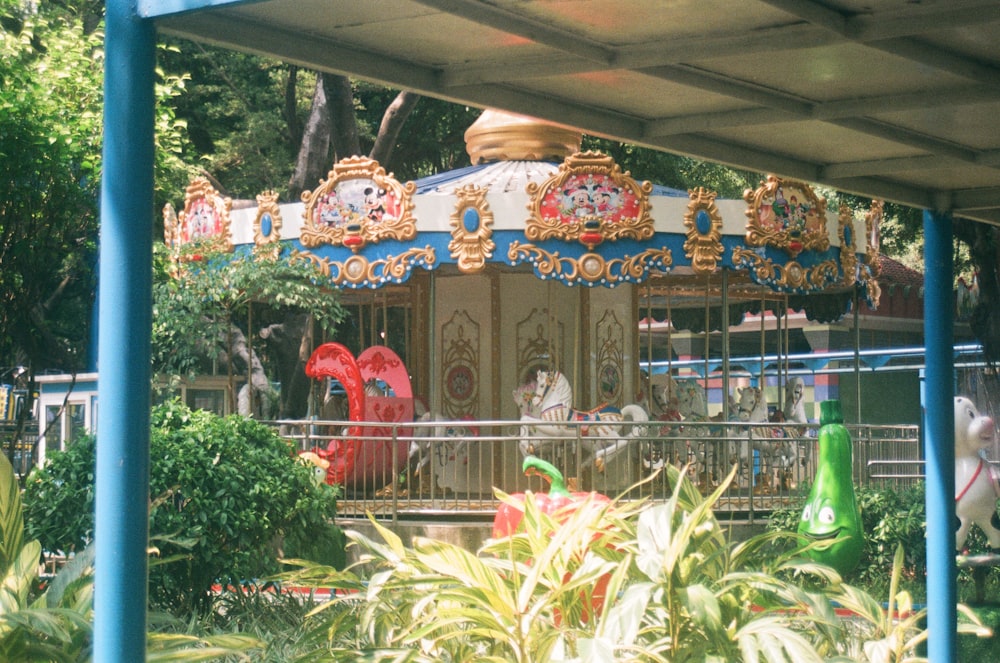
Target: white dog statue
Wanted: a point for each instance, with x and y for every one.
(976, 487)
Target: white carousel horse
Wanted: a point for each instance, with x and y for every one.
(795, 402)
(700, 447)
(778, 453)
(751, 408)
(551, 408)
(663, 397)
(976, 485)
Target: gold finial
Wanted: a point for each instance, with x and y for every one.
(502, 136)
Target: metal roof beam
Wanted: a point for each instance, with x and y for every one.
(235, 32)
(862, 30)
(637, 56)
(518, 24)
(941, 59)
(922, 20)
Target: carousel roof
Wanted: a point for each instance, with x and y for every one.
(532, 200)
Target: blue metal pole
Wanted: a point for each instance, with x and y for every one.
(125, 292)
(939, 426)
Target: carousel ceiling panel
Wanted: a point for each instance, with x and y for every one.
(888, 91)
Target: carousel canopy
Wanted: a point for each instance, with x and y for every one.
(531, 200)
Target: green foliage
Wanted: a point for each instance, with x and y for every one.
(49, 124)
(51, 621)
(676, 590)
(890, 519)
(192, 313)
(224, 491)
(231, 116)
(675, 171)
(51, 97)
(51, 626)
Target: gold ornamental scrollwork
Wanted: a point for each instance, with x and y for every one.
(589, 200)
(786, 214)
(788, 277)
(204, 222)
(358, 271)
(471, 229)
(872, 265)
(590, 267)
(848, 257)
(873, 243)
(267, 226)
(356, 204)
(703, 220)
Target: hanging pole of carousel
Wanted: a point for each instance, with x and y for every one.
(725, 345)
(857, 357)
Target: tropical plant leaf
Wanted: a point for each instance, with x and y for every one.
(11, 521)
(167, 648)
(21, 574)
(73, 570)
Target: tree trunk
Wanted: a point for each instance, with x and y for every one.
(290, 111)
(392, 123)
(313, 161)
(984, 249)
(331, 120)
(290, 344)
(253, 400)
(343, 122)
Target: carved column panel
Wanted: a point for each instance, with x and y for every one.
(460, 367)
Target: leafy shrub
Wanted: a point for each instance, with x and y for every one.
(225, 494)
(676, 590)
(51, 620)
(890, 518)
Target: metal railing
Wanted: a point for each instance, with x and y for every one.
(24, 451)
(452, 467)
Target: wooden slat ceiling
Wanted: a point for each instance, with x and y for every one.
(895, 99)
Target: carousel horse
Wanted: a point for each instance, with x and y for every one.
(777, 452)
(663, 398)
(794, 412)
(439, 450)
(795, 402)
(701, 445)
(551, 408)
(664, 408)
(751, 408)
(976, 485)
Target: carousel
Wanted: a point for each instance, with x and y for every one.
(543, 301)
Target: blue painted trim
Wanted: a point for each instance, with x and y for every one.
(84, 389)
(611, 252)
(125, 318)
(939, 427)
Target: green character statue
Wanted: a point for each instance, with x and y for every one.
(831, 515)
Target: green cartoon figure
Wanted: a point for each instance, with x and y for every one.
(831, 513)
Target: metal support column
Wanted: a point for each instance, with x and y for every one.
(939, 427)
(125, 291)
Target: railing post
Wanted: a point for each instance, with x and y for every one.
(395, 475)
